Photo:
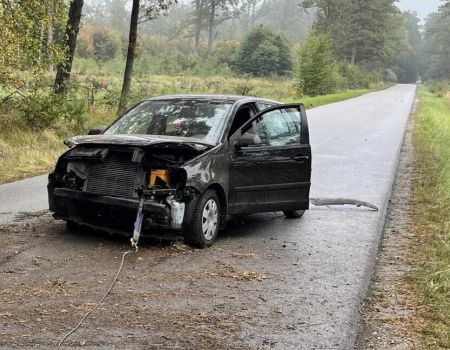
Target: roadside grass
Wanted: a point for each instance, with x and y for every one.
(316, 101)
(430, 255)
(24, 152)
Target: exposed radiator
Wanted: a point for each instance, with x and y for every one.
(115, 176)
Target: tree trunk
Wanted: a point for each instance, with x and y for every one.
(198, 23)
(353, 60)
(131, 54)
(212, 15)
(70, 41)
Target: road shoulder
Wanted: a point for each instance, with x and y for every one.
(389, 310)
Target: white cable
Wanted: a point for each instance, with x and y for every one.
(100, 302)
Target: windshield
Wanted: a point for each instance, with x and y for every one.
(202, 120)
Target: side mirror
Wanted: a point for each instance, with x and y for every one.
(97, 130)
(247, 140)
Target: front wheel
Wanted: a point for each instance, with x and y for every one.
(203, 229)
(293, 214)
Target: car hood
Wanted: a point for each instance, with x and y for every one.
(138, 140)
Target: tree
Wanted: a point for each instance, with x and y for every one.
(363, 32)
(264, 52)
(408, 65)
(208, 14)
(131, 54)
(329, 12)
(140, 12)
(437, 44)
(197, 18)
(316, 71)
(70, 40)
(27, 35)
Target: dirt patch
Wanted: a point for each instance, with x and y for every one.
(389, 313)
(49, 279)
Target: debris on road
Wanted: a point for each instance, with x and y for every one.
(319, 202)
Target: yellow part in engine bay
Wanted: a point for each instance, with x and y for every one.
(162, 174)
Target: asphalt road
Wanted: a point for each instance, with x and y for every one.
(282, 284)
(29, 195)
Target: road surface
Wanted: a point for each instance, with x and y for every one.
(269, 282)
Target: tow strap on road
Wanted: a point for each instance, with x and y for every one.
(134, 243)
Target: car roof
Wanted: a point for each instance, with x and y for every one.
(211, 97)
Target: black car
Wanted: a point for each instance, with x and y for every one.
(182, 164)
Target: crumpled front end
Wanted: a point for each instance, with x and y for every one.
(101, 186)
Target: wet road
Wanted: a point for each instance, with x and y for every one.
(283, 284)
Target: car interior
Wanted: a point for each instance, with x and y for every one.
(243, 115)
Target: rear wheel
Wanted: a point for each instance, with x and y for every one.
(202, 231)
(293, 214)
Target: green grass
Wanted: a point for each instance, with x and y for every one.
(24, 152)
(315, 101)
(431, 254)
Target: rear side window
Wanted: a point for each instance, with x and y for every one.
(264, 105)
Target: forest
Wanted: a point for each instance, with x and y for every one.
(68, 65)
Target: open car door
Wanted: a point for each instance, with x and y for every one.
(270, 159)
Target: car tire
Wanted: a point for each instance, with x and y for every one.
(293, 214)
(72, 226)
(204, 227)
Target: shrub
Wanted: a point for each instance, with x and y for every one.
(106, 44)
(84, 46)
(316, 71)
(439, 88)
(225, 52)
(42, 109)
(354, 77)
(389, 76)
(103, 44)
(263, 52)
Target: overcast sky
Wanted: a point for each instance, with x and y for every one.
(422, 7)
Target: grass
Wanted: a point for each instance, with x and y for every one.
(316, 101)
(24, 152)
(431, 253)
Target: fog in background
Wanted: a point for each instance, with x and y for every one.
(422, 7)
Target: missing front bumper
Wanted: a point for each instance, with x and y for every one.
(112, 214)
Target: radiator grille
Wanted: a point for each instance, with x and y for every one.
(116, 176)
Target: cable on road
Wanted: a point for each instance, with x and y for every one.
(102, 299)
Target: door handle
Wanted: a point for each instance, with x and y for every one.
(300, 158)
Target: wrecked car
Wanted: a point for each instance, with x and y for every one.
(183, 164)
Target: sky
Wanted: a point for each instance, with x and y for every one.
(422, 7)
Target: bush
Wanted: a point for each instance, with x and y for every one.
(316, 71)
(263, 52)
(389, 76)
(353, 77)
(85, 48)
(439, 88)
(106, 44)
(103, 44)
(225, 52)
(42, 109)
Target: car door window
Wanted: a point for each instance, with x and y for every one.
(279, 127)
(264, 105)
(243, 115)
